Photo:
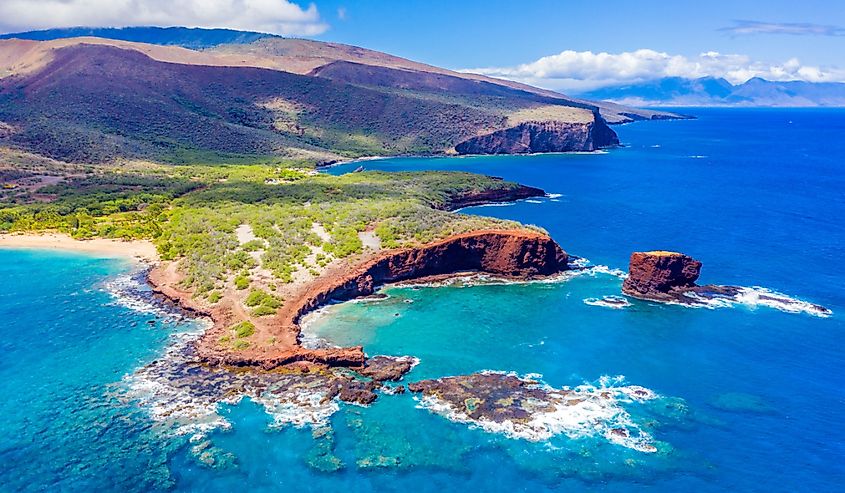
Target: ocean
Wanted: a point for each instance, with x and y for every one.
(746, 397)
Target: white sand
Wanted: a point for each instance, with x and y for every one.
(137, 249)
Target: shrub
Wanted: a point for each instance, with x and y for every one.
(258, 297)
(214, 296)
(253, 246)
(264, 310)
(243, 329)
(241, 281)
(240, 344)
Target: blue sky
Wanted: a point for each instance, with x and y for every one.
(476, 33)
(567, 45)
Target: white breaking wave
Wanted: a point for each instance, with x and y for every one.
(615, 302)
(756, 296)
(298, 408)
(174, 408)
(130, 291)
(603, 269)
(583, 411)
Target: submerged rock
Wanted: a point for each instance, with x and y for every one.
(525, 408)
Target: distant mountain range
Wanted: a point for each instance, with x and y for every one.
(710, 91)
(196, 95)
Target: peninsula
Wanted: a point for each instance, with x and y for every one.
(255, 247)
(210, 152)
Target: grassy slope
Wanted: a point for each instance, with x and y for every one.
(95, 103)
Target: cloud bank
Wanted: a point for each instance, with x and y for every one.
(744, 27)
(585, 70)
(269, 16)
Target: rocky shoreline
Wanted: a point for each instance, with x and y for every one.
(511, 254)
(520, 254)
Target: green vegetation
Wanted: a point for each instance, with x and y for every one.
(243, 329)
(263, 303)
(263, 311)
(192, 213)
(241, 281)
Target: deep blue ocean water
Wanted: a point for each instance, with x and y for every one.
(752, 398)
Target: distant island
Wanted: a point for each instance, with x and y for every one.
(712, 91)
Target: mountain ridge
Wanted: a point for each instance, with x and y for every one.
(95, 99)
(712, 91)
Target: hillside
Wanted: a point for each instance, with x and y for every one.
(709, 91)
(306, 56)
(95, 100)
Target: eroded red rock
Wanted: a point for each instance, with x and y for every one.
(660, 275)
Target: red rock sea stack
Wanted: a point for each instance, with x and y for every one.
(660, 275)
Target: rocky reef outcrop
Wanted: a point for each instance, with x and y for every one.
(387, 368)
(660, 275)
(525, 408)
(536, 137)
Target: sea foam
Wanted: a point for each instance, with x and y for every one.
(587, 410)
(615, 302)
(755, 297)
(130, 291)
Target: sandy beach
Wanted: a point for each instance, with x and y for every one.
(135, 249)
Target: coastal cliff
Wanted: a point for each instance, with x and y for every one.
(537, 136)
(495, 195)
(660, 275)
(516, 254)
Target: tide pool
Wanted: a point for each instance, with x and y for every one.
(749, 398)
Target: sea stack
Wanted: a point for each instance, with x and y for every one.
(660, 275)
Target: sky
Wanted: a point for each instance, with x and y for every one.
(564, 44)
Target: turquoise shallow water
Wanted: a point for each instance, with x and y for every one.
(751, 397)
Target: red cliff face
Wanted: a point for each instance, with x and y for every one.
(534, 137)
(511, 254)
(660, 275)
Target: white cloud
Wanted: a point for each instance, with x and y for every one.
(270, 16)
(744, 27)
(585, 70)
